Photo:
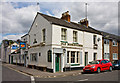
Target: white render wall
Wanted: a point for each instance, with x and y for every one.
(41, 24)
(84, 38)
(88, 46)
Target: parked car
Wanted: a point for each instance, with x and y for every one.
(98, 66)
(116, 64)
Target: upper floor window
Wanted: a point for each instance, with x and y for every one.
(114, 43)
(74, 36)
(63, 34)
(106, 41)
(94, 39)
(43, 33)
(35, 41)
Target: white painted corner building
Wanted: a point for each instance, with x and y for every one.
(58, 43)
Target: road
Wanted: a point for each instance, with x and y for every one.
(11, 75)
(103, 76)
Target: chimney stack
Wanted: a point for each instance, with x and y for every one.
(66, 16)
(84, 22)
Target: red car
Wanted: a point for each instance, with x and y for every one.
(98, 66)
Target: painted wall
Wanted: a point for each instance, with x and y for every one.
(39, 24)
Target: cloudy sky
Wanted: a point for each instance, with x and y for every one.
(17, 17)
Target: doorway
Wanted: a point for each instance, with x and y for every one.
(86, 58)
(11, 59)
(57, 62)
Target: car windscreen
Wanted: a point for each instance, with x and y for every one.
(94, 62)
(115, 62)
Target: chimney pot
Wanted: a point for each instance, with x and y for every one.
(66, 16)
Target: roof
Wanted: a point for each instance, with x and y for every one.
(24, 35)
(72, 25)
(110, 36)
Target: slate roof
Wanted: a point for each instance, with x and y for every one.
(72, 25)
(110, 36)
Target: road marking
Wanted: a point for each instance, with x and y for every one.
(83, 80)
(32, 79)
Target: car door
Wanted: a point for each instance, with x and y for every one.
(103, 65)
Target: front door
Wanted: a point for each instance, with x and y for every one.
(86, 58)
(57, 60)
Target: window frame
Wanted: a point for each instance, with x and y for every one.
(75, 36)
(34, 56)
(63, 34)
(49, 56)
(43, 35)
(68, 57)
(94, 39)
(114, 43)
(115, 58)
(72, 57)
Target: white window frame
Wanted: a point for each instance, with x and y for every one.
(43, 35)
(33, 59)
(95, 39)
(115, 58)
(107, 56)
(106, 41)
(75, 37)
(114, 42)
(63, 34)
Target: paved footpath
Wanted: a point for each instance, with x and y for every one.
(41, 74)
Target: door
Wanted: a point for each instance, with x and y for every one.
(11, 59)
(86, 58)
(57, 62)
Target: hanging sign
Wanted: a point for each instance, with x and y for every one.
(22, 45)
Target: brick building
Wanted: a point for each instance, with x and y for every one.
(111, 46)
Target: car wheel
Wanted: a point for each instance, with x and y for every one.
(98, 70)
(110, 69)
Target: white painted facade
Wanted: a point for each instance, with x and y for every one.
(53, 43)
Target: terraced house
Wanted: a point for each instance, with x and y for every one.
(57, 44)
(111, 46)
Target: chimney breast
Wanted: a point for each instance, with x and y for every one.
(66, 16)
(84, 22)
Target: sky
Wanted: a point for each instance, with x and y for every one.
(17, 17)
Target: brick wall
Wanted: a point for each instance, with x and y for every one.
(119, 50)
(113, 49)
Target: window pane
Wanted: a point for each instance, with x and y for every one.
(67, 56)
(72, 57)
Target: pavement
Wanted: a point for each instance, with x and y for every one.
(39, 73)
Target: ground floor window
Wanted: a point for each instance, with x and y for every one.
(49, 56)
(33, 57)
(74, 56)
(94, 56)
(115, 56)
(106, 56)
(68, 56)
